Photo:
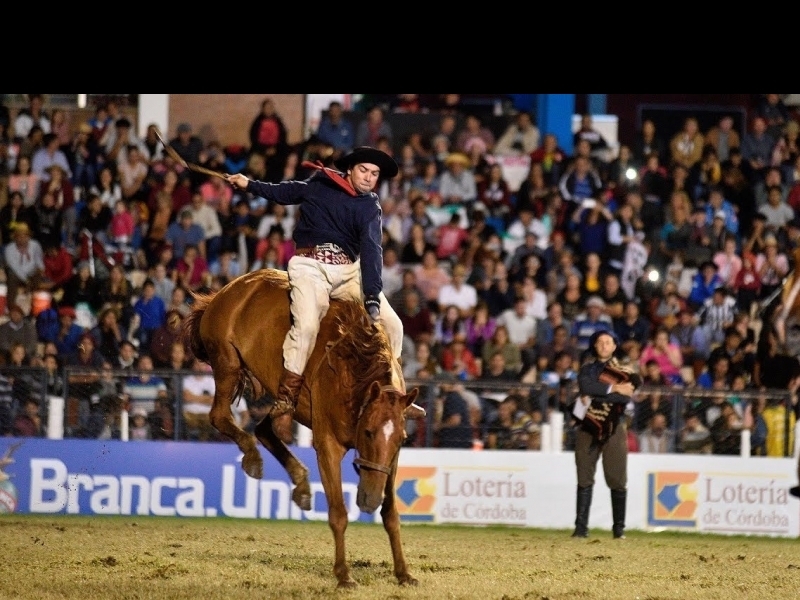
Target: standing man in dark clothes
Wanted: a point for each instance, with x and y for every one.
(339, 255)
(605, 390)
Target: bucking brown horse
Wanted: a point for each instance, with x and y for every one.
(353, 396)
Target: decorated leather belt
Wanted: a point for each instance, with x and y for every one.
(329, 254)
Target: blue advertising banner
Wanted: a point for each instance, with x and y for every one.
(90, 477)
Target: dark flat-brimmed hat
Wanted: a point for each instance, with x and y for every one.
(366, 154)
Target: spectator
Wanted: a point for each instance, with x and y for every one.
(152, 313)
(774, 368)
(631, 325)
(694, 437)
(474, 136)
(198, 397)
(552, 158)
(69, 332)
(716, 314)
(336, 130)
(109, 333)
(520, 137)
(775, 113)
(704, 283)
(666, 353)
(513, 428)
(454, 429)
(590, 322)
(581, 182)
(24, 262)
(165, 336)
(430, 278)
(18, 330)
(373, 128)
(586, 131)
(692, 340)
(457, 292)
(204, 216)
(83, 290)
(139, 428)
(558, 376)
(722, 137)
(686, 146)
(480, 327)
(780, 420)
(447, 326)
(772, 176)
(777, 212)
(501, 343)
(28, 421)
(33, 115)
(24, 181)
(726, 431)
(267, 133)
(521, 329)
(132, 172)
(716, 377)
(757, 146)
(121, 230)
(142, 390)
(657, 438)
(107, 186)
(457, 183)
(83, 384)
(772, 266)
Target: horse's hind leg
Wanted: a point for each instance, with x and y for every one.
(297, 471)
(226, 380)
(391, 523)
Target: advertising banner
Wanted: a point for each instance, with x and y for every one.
(715, 494)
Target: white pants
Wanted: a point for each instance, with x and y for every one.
(314, 284)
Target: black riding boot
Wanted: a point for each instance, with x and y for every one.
(584, 503)
(618, 502)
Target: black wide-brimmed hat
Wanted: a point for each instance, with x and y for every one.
(366, 154)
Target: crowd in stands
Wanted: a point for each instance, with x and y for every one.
(673, 241)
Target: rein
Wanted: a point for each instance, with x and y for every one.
(358, 462)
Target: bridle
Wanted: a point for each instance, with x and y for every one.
(359, 463)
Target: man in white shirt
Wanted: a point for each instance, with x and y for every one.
(521, 329)
(24, 261)
(459, 293)
(198, 396)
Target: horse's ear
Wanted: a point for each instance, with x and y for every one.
(374, 392)
(413, 411)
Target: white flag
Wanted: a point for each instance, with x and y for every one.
(633, 268)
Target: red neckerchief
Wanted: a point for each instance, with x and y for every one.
(334, 175)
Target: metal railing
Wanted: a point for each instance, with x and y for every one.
(76, 402)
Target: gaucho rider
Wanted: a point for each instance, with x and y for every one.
(338, 255)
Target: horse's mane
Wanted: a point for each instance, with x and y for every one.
(364, 346)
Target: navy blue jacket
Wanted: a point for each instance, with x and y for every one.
(329, 215)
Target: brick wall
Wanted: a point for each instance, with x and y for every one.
(227, 117)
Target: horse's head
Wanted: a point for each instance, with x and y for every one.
(380, 432)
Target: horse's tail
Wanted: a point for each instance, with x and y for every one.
(191, 325)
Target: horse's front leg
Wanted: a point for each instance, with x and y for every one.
(298, 472)
(330, 469)
(391, 523)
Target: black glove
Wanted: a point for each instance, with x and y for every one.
(373, 306)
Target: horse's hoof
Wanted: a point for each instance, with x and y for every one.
(408, 580)
(253, 467)
(347, 584)
(302, 500)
